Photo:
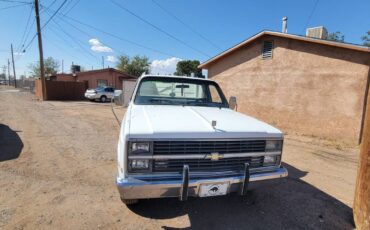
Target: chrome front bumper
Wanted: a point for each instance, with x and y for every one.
(189, 184)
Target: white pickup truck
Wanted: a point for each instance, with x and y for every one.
(180, 137)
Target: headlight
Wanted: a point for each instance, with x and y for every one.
(271, 160)
(140, 147)
(139, 164)
(274, 145)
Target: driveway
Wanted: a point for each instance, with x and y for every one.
(58, 167)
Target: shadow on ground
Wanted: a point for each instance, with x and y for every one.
(11, 144)
(289, 203)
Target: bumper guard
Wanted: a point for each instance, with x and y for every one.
(150, 186)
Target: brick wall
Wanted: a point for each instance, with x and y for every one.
(92, 78)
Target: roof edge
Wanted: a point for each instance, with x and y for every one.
(99, 71)
(284, 35)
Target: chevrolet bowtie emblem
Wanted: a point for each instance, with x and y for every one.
(215, 156)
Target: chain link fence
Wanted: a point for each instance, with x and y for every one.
(25, 84)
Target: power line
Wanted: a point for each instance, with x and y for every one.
(48, 7)
(52, 41)
(185, 24)
(69, 10)
(68, 42)
(28, 33)
(63, 17)
(14, 1)
(47, 22)
(159, 29)
(52, 16)
(79, 29)
(25, 29)
(309, 17)
(8, 7)
(28, 45)
(121, 38)
(77, 41)
(75, 27)
(115, 36)
(67, 5)
(90, 36)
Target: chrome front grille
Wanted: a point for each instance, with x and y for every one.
(201, 165)
(231, 163)
(207, 147)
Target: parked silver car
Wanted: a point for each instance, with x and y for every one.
(102, 94)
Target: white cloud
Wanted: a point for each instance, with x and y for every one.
(166, 66)
(18, 54)
(111, 58)
(95, 42)
(97, 46)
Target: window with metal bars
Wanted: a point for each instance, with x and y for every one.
(267, 49)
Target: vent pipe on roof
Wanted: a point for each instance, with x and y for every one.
(285, 25)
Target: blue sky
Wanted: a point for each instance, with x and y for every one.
(221, 23)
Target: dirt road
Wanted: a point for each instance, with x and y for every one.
(58, 167)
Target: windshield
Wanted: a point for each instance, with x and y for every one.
(179, 91)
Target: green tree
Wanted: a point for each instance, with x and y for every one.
(337, 36)
(187, 67)
(135, 66)
(51, 66)
(366, 39)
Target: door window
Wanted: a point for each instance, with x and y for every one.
(215, 96)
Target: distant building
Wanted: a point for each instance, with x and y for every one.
(95, 78)
(301, 84)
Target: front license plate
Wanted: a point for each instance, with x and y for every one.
(217, 189)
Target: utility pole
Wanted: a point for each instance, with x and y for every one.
(102, 61)
(8, 72)
(361, 204)
(15, 77)
(42, 70)
(62, 66)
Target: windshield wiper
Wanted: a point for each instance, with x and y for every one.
(197, 103)
(160, 100)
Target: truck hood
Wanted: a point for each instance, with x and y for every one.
(168, 121)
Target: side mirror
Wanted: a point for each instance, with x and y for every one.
(232, 103)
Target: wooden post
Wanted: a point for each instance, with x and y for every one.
(8, 72)
(41, 54)
(15, 77)
(361, 205)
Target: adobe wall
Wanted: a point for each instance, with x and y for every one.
(61, 90)
(306, 88)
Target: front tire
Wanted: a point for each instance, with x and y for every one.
(129, 202)
(103, 98)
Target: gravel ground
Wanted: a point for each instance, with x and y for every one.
(58, 167)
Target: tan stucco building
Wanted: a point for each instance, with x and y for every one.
(305, 85)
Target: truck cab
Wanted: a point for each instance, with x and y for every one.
(180, 137)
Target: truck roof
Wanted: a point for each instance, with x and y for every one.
(174, 76)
